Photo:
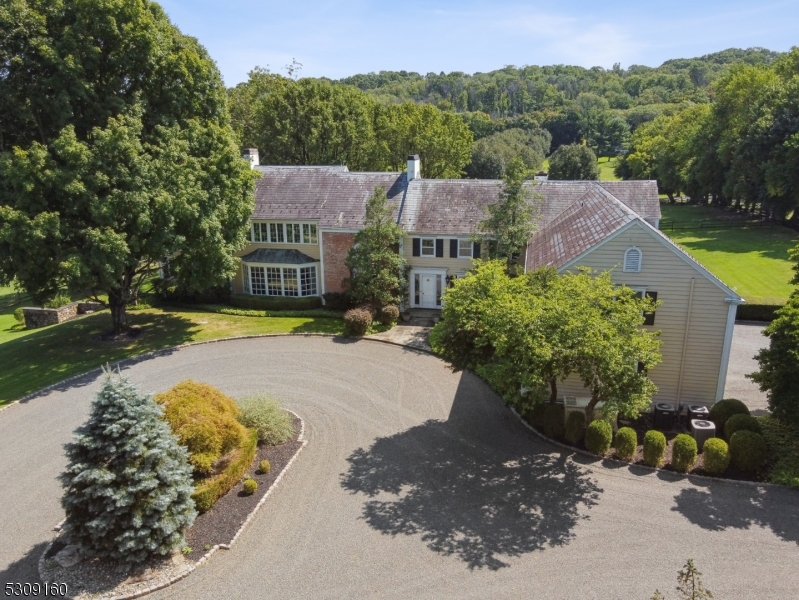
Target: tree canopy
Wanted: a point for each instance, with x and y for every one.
(116, 152)
(491, 155)
(573, 162)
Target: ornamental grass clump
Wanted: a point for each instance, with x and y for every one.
(724, 409)
(128, 481)
(357, 321)
(654, 448)
(683, 453)
(265, 414)
(249, 486)
(264, 467)
(575, 427)
(716, 456)
(741, 422)
(626, 443)
(598, 437)
(747, 451)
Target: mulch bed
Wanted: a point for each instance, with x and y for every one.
(219, 524)
(643, 424)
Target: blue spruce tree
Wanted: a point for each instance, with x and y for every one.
(128, 482)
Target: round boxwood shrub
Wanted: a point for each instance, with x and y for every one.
(747, 450)
(249, 486)
(554, 416)
(626, 443)
(716, 455)
(654, 448)
(575, 427)
(683, 453)
(19, 315)
(357, 321)
(598, 436)
(741, 422)
(724, 409)
(389, 314)
(264, 466)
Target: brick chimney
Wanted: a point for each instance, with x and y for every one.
(414, 167)
(251, 155)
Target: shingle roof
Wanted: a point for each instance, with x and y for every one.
(337, 198)
(278, 257)
(586, 222)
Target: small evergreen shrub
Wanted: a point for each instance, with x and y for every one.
(747, 451)
(57, 301)
(265, 414)
(357, 321)
(716, 455)
(19, 315)
(389, 314)
(575, 427)
(683, 453)
(264, 466)
(654, 448)
(626, 443)
(249, 486)
(535, 415)
(724, 409)
(554, 415)
(210, 489)
(205, 421)
(337, 301)
(128, 481)
(741, 422)
(598, 437)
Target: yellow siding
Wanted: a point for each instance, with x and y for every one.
(670, 276)
(454, 266)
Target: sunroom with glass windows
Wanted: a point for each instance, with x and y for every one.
(271, 272)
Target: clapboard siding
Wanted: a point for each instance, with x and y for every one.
(670, 276)
(454, 266)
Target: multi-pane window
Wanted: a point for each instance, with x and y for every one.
(257, 281)
(245, 274)
(308, 281)
(428, 247)
(464, 249)
(290, 282)
(274, 281)
(284, 233)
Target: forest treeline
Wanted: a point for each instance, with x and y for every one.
(473, 125)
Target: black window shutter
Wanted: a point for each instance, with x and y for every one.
(439, 248)
(476, 250)
(649, 318)
(453, 248)
(417, 246)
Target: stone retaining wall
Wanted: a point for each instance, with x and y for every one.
(42, 317)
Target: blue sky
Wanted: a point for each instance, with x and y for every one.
(335, 39)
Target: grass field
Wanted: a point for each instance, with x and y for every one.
(753, 259)
(32, 359)
(606, 165)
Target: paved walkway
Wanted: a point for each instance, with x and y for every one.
(747, 340)
(418, 483)
(406, 335)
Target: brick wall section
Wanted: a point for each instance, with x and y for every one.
(335, 247)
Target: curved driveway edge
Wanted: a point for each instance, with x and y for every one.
(419, 482)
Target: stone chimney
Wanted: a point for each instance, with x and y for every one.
(414, 167)
(251, 155)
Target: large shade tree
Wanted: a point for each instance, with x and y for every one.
(116, 152)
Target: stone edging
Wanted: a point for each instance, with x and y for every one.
(207, 555)
(646, 467)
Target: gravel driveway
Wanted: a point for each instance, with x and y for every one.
(418, 483)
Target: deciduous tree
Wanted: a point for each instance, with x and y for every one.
(573, 162)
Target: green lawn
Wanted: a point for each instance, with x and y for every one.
(30, 360)
(753, 260)
(606, 165)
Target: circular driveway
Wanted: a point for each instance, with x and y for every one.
(418, 483)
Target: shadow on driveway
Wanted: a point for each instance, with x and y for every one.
(473, 486)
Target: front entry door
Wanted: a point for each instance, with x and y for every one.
(427, 290)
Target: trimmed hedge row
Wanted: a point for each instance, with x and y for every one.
(275, 302)
(240, 312)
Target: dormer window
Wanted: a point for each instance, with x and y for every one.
(632, 260)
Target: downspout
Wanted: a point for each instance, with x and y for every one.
(685, 340)
(322, 264)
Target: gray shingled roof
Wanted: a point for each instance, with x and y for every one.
(278, 257)
(337, 198)
(586, 222)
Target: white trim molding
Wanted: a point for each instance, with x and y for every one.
(725, 351)
(441, 272)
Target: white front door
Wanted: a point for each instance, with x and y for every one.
(427, 290)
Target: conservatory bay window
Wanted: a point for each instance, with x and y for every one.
(308, 281)
(257, 283)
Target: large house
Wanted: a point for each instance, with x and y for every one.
(305, 221)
